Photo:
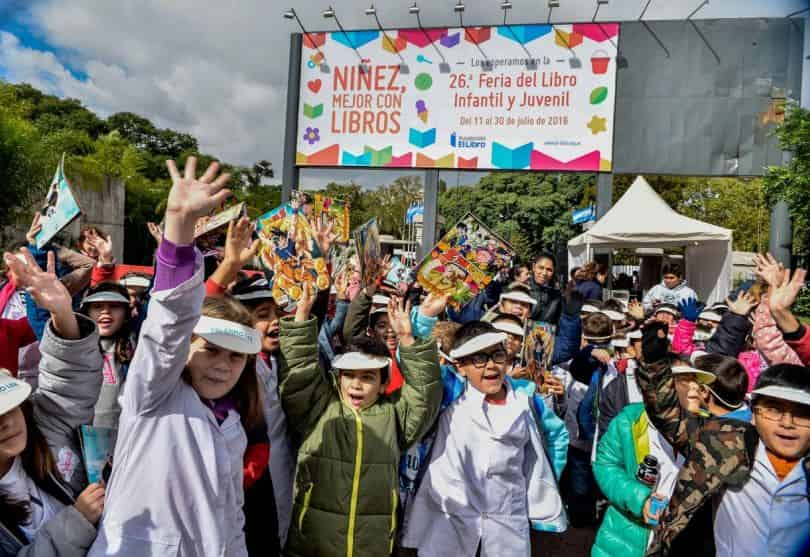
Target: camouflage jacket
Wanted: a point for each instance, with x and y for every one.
(719, 453)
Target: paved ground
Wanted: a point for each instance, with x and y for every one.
(575, 542)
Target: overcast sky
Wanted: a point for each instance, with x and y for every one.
(218, 70)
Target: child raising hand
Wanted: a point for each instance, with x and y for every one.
(176, 485)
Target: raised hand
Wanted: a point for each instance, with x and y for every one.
(31, 235)
(46, 290)
(324, 235)
(342, 285)
(155, 231)
(784, 291)
(305, 303)
(399, 315)
(239, 250)
(690, 309)
(433, 305)
(191, 198)
(742, 305)
(103, 246)
(635, 309)
(654, 342)
(768, 268)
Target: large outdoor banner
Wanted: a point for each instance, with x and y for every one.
(537, 97)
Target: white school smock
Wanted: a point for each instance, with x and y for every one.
(176, 487)
(765, 516)
(282, 456)
(484, 481)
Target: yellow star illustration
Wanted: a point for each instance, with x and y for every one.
(597, 125)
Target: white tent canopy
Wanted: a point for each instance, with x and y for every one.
(642, 219)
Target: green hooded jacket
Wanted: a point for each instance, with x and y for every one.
(618, 455)
(346, 481)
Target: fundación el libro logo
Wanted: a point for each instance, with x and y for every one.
(467, 142)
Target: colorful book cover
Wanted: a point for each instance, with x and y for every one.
(98, 444)
(290, 251)
(60, 207)
(464, 261)
(539, 345)
(369, 252)
(398, 274)
(335, 211)
(219, 220)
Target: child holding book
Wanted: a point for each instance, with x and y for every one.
(488, 481)
(46, 507)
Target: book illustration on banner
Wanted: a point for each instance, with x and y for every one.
(539, 346)
(336, 212)
(211, 224)
(97, 445)
(60, 207)
(290, 251)
(464, 261)
(369, 252)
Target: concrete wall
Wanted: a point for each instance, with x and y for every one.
(102, 205)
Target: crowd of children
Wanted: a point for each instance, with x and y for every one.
(369, 420)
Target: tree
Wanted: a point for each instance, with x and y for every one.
(531, 209)
(791, 182)
(735, 203)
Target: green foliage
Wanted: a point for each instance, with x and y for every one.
(735, 203)
(791, 182)
(530, 210)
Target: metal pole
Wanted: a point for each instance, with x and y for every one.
(429, 215)
(604, 193)
(781, 241)
(290, 172)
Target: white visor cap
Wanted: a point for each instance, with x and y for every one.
(229, 335)
(784, 393)
(108, 296)
(359, 361)
(518, 296)
(477, 344)
(13, 392)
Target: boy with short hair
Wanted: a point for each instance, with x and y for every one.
(756, 476)
(352, 435)
(489, 481)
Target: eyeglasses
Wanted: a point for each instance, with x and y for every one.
(480, 360)
(775, 415)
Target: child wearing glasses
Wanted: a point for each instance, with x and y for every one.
(488, 482)
(755, 475)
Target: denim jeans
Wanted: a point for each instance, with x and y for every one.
(579, 488)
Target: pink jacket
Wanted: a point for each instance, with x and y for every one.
(768, 338)
(753, 364)
(682, 338)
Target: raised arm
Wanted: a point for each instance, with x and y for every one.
(734, 327)
(239, 251)
(417, 403)
(305, 393)
(178, 293)
(658, 388)
(70, 368)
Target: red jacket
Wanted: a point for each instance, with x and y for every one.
(14, 334)
(800, 342)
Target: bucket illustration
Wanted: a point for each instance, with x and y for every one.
(599, 62)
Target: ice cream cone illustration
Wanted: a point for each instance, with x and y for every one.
(422, 111)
